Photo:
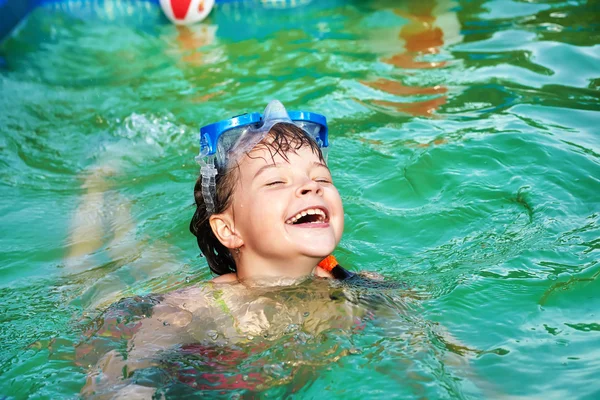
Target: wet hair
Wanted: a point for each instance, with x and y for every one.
(282, 139)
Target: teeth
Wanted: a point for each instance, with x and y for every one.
(310, 211)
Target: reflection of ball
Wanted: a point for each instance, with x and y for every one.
(183, 12)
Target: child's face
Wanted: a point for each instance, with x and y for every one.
(270, 198)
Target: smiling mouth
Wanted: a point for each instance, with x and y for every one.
(308, 216)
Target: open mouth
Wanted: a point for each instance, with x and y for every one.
(309, 216)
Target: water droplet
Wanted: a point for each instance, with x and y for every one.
(244, 377)
(306, 314)
(187, 279)
(302, 337)
(165, 323)
(354, 350)
(213, 334)
(291, 328)
(275, 370)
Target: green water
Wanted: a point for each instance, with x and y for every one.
(465, 146)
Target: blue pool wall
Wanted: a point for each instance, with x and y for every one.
(13, 11)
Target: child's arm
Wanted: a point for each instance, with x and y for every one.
(160, 331)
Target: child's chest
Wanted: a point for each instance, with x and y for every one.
(241, 318)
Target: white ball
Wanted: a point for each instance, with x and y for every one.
(184, 12)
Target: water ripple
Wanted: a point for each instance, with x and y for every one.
(464, 146)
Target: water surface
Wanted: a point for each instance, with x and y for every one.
(465, 147)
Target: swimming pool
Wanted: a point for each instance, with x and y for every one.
(465, 147)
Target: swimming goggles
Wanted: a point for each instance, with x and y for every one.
(226, 141)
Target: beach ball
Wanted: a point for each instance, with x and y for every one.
(184, 12)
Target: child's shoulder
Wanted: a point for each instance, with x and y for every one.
(226, 278)
(189, 298)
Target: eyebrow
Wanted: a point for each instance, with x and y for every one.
(319, 164)
(277, 165)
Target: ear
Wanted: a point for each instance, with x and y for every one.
(223, 227)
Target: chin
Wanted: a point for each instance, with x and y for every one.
(319, 251)
(314, 243)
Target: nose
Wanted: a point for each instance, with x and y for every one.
(309, 187)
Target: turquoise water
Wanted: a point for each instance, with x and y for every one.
(465, 147)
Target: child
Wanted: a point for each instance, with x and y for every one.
(275, 211)
(267, 214)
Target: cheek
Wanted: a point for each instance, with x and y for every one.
(337, 201)
(257, 208)
(242, 209)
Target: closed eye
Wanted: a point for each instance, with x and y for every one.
(323, 180)
(274, 183)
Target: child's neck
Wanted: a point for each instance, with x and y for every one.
(250, 267)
